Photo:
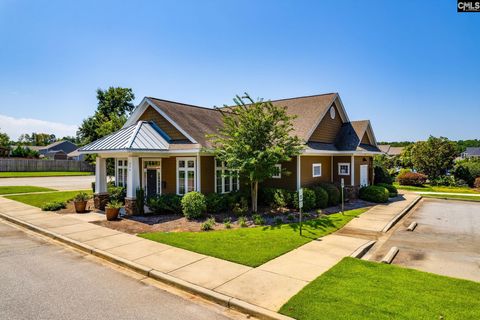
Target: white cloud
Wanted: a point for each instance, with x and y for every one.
(14, 127)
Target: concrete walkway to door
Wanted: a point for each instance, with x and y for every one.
(269, 286)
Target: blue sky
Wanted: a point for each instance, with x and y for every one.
(411, 67)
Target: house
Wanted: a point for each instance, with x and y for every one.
(4, 152)
(54, 155)
(471, 152)
(162, 148)
(389, 150)
(55, 150)
(75, 155)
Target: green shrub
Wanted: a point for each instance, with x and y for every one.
(165, 203)
(278, 220)
(140, 201)
(193, 205)
(216, 203)
(275, 197)
(258, 219)
(448, 181)
(309, 199)
(290, 217)
(393, 192)
(411, 179)
(333, 193)
(242, 221)
(321, 197)
(240, 208)
(208, 224)
(114, 204)
(227, 222)
(117, 193)
(375, 194)
(467, 170)
(54, 206)
(382, 175)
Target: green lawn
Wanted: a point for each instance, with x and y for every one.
(437, 189)
(254, 246)
(43, 174)
(22, 189)
(454, 197)
(37, 200)
(357, 289)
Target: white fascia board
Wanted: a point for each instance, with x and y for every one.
(332, 153)
(133, 118)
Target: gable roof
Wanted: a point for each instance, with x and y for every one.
(472, 151)
(143, 136)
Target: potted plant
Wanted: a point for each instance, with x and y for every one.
(112, 209)
(80, 202)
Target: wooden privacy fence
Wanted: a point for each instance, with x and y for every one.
(15, 165)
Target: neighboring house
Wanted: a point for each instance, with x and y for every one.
(56, 150)
(471, 153)
(162, 147)
(389, 150)
(75, 155)
(4, 152)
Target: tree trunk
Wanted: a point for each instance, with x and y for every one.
(254, 194)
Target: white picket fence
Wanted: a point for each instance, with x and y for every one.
(16, 165)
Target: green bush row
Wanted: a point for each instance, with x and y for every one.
(377, 194)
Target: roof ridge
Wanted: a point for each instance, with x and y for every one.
(283, 99)
(184, 104)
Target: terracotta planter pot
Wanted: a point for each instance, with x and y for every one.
(80, 206)
(112, 213)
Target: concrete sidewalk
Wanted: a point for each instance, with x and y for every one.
(64, 183)
(266, 288)
(448, 193)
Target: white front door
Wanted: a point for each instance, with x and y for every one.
(363, 175)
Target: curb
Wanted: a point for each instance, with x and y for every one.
(208, 294)
(360, 252)
(401, 214)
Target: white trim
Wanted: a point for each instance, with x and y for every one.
(352, 171)
(360, 182)
(194, 169)
(134, 134)
(279, 175)
(123, 167)
(143, 106)
(222, 168)
(343, 164)
(144, 176)
(314, 165)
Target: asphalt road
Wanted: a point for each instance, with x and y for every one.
(40, 279)
(446, 240)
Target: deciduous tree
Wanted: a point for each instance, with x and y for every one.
(434, 156)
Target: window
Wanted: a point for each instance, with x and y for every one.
(344, 169)
(186, 181)
(316, 170)
(225, 180)
(121, 173)
(278, 172)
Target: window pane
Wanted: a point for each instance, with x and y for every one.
(317, 170)
(218, 163)
(219, 181)
(191, 180)
(181, 182)
(226, 180)
(234, 182)
(181, 163)
(191, 164)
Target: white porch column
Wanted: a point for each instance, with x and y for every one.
(299, 173)
(352, 171)
(199, 169)
(100, 175)
(133, 177)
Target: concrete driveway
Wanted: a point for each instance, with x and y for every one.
(58, 183)
(446, 240)
(43, 280)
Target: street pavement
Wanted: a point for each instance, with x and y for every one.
(58, 183)
(44, 280)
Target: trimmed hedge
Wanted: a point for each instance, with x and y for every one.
(391, 189)
(216, 203)
(333, 193)
(381, 175)
(321, 197)
(193, 205)
(412, 179)
(376, 194)
(309, 199)
(275, 197)
(165, 203)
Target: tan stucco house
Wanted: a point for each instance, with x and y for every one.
(162, 147)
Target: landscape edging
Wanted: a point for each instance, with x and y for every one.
(401, 214)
